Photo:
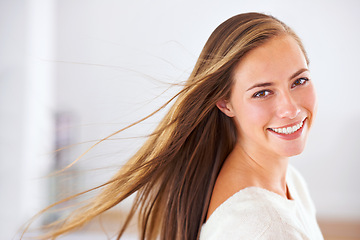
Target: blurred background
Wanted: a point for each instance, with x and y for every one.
(75, 71)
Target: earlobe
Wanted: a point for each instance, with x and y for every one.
(225, 107)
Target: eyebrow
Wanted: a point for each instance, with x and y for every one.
(260, 85)
(267, 84)
(299, 72)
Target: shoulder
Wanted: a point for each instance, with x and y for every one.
(299, 189)
(295, 177)
(252, 213)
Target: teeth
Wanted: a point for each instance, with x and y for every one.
(288, 130)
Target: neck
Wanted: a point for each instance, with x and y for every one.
(260, 170)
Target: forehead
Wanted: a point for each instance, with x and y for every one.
(276, 60)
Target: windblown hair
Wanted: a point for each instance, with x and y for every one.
(174, 172)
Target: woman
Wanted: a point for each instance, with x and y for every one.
(216, 167)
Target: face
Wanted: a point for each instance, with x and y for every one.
(273, 100)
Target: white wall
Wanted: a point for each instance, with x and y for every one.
(12, 74)
(26, 109)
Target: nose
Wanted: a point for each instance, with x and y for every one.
(287, 106)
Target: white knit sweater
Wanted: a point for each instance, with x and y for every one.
(255, 213)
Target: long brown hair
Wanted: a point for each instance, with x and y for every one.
(174, 172)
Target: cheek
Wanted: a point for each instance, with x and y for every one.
(256, 115)
(309, 100)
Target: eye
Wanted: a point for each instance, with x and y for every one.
(300, 81)
(262, 94)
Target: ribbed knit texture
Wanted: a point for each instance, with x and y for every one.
(255, 213)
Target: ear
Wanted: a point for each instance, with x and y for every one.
(225, 107)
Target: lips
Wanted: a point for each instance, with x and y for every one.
(289, 129)
(289, 132)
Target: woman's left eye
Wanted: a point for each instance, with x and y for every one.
(300, 81)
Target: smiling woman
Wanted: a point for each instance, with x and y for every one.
(272, 103)
(216, 167)
(267, 113)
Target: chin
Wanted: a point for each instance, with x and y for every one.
(292, 151)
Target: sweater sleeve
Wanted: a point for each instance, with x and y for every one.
(253, 224)
(254, 214)
(260, 233)
(278, 231)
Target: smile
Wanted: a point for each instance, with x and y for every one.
(288, 130)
